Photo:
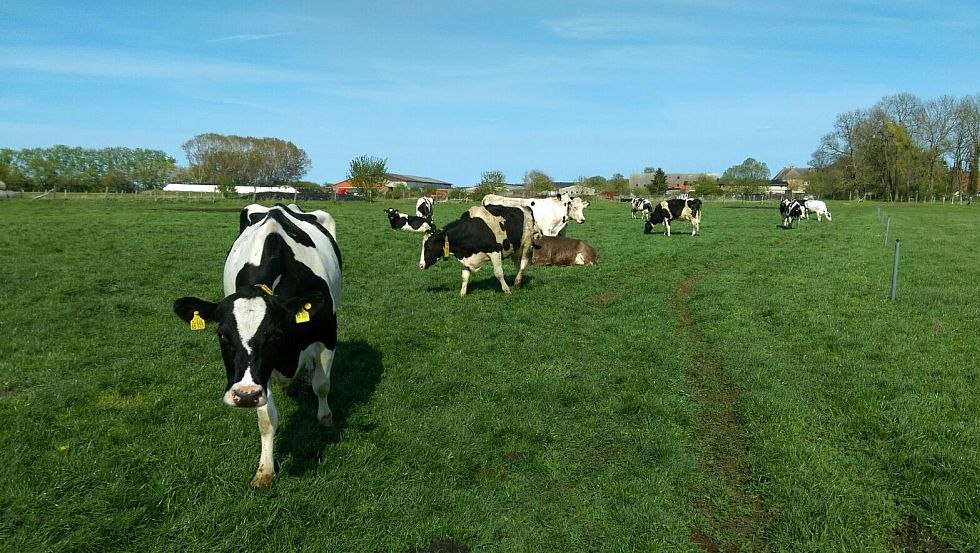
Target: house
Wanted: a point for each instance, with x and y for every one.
(393, 180)
(790, 179)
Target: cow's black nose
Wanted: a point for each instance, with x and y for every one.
(247, 397)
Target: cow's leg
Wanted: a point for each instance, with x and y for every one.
(497, 260)
(521, 263)
(466, 280)
(322, 362)
(666, 227)
(695, 224)
(268, 422)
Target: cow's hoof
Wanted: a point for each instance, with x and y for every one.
(262, 481)
(327, 420)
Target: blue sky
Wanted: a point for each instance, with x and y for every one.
(450, 89)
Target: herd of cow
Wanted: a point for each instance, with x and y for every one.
(283, 282)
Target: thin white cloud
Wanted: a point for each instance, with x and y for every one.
(618, 27)
(150, 65)
(249, 37)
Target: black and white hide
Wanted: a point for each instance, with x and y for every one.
(483, 233)
(411, 223)
(791, 211)
(670, 210)
(282, 285)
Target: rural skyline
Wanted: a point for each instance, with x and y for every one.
(449, 90)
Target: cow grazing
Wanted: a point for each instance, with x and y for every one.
(550, 214)
(412, 223)
(559, 250)
(818, 207)
(639, 204)
(791, 210)
(282, 283)
(669, 210)
(484, 233)
(423, 207)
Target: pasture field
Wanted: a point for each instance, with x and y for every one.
(750, 389)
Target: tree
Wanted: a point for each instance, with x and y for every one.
(248, 161)
(368, 174)
(491, 182)
(537, 182)
(748, 177)
(617, 185)
(706, 186)
(658, 185)
(597, 182)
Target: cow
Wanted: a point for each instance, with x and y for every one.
(559, 250)
(412, 223)
(483, 233)
(818, 207)
(791, 210)
(639, 204)
(669, 210)
(550, 214)
(423, 207)
(282, 285)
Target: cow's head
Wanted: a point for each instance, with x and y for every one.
(654, 217)
(392, 214)
(434, 246)
(575, 209)
(251, 325)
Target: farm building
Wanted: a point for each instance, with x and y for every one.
(212, 188)
(393, 180)
(677, 183)
(790, 179)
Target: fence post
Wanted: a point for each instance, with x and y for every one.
(898, 249)
(888, 224)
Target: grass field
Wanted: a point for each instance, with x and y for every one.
(750, 389)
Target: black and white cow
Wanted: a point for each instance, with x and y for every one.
(483, 233)
(413, 223)
(423, 207)
(791, 210)
(669, 210)
(638, 205)
(282, 282)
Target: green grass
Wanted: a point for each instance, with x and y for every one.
(783, 404)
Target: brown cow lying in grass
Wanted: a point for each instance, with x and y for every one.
(559, 250)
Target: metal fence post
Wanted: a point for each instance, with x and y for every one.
(898, 249)
(888, 224)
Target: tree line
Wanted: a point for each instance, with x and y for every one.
(901, 148)
(244, 160)
(84, 169)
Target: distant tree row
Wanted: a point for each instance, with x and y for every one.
(902, 147)
(244, 160)
(83, 169)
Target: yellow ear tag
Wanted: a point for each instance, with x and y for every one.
(445, 248)
(266, 289)
(197, 323)
(303, 315)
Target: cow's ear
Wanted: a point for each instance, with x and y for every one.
(311, 303)
(185, 308)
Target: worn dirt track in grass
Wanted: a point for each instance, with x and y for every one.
(723, 451)
(913, 537)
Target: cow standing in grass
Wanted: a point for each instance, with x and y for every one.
(282, 282)
(640, 205)
(818, 207)
(791, 210)
(670, 210)
(484, 233)
(550, 214)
